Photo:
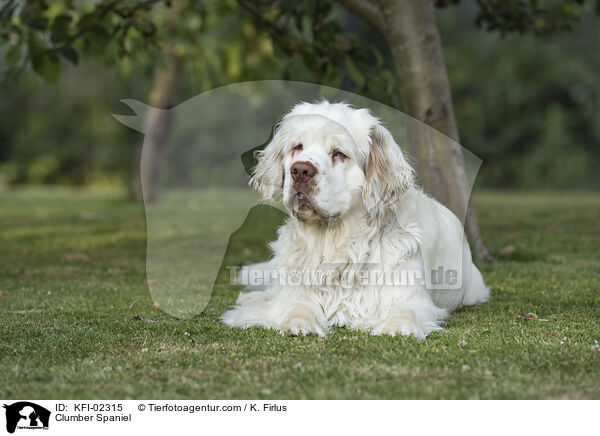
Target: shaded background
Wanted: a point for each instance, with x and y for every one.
(527, 104)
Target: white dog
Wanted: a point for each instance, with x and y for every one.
(396, 260)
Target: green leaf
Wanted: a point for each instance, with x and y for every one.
(70, 54)
(38, 23)
(60, 29)
(307, 31)
(310, 59)
(86, 20)
(13, 55)
(47, 65)
(356, 76)
(7, 10)
(100, 31)
(146, 27)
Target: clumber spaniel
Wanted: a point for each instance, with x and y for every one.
(363, 247)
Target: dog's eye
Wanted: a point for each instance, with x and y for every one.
(297, 148)
(338, 155)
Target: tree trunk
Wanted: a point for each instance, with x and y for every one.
(157, 124)
(410, 28)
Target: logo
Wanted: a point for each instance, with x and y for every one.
(26, 415)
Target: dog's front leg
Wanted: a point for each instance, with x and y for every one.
(304, 319)
(252, 309)
(278, 312)
(418, 316)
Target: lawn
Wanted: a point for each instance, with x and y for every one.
(77, 321)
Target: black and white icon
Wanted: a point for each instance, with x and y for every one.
(26, 415)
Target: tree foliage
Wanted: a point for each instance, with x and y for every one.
(40, 33)
(526, 16)
(523, 16)
(524, 103)
(309, 34)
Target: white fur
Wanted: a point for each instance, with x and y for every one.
(365, 211)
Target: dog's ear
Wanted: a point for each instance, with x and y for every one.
(388, 174)
(267, 175)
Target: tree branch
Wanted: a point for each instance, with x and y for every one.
(369, 11)
(278, 34)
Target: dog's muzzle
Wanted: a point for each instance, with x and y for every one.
(301, 202)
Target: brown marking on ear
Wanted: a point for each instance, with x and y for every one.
(387, 174)
(267, 176)
(378, 167)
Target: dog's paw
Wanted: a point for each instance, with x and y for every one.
(245, 317)
(303, 321)
(253, 297)
(300, 326)
(232, 318)
(403, 323)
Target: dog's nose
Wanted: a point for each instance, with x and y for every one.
(302, 172)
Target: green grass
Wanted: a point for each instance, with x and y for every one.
(72, 279)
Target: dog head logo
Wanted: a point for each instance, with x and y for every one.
(195, 188)
(26, 415)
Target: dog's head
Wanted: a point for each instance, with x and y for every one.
(326, 160)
